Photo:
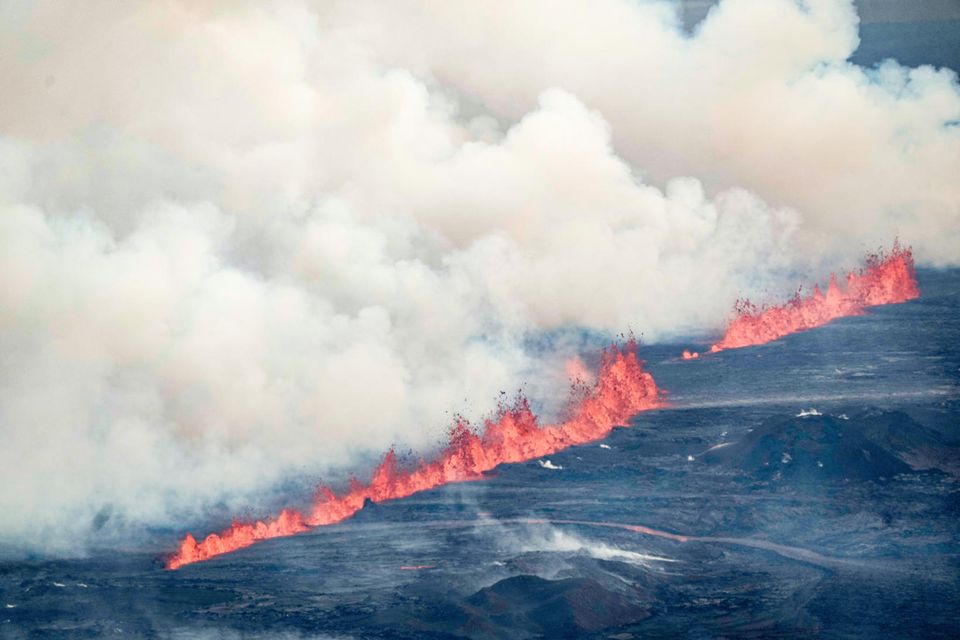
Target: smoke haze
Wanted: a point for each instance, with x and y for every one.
(243, 242)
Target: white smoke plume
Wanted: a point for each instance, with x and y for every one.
(242, 242)
(555, 540)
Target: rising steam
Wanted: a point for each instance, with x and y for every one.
(244, 245)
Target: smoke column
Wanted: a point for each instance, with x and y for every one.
(622, 389)
(886, 279)
(276, 238)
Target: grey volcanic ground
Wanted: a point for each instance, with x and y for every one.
(841, 521)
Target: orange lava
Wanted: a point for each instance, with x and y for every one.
(886, 279)
(622, 389)
(689, 355)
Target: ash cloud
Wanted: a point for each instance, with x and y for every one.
(240, 242)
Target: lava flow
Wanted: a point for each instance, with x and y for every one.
(886, 279)
(622, 389)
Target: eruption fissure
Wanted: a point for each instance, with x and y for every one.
(622, 389)
(886, 279)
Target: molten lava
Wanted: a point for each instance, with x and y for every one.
(886, 279)
(622, 389)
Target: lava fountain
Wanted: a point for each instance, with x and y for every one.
(622, 389)
(886, 279)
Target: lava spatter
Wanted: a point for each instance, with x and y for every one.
(622, 389)
(887, 278)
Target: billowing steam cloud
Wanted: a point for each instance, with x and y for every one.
(240, 242)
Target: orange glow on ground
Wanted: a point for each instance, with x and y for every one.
(621, 390)
(886, 279)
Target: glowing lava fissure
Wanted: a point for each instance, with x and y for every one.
(887, 278)
(622, 389)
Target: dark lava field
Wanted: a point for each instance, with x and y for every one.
(803, 487)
